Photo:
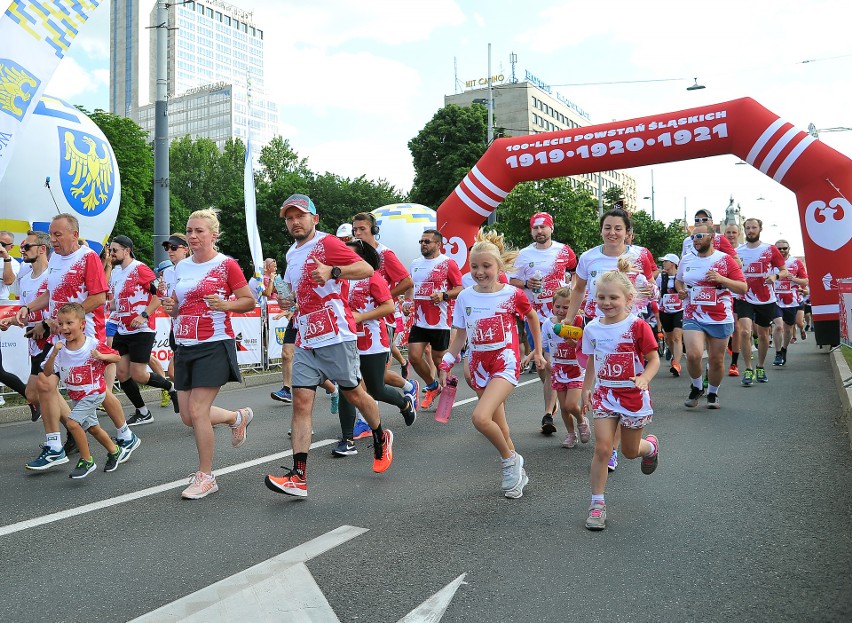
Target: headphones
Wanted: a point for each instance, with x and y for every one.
(374, 229)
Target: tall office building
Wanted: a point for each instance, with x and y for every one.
(531, 107)
(215, 50)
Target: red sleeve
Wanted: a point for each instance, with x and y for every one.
(393, 268)
(648, 265)
(572, 259)
(734, 270)
(650, 258)
(646, 341)
(103, 349)
(777, 261)
(453, 274)
(379, 289)
(234, 276)
(95, 279)
(146, 275)
(803, 274)
(337, 253)
(522, 303)
(724, 246)
(503, 278)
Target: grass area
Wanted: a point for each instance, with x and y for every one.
(847, 354)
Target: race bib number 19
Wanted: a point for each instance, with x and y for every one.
(616, 370)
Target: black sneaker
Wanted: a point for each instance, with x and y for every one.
(783, 356)
(713, 401)
(409, 414)
(174, 396)
(346, 447)
(112, 460)
(137, 419)
(779, 359)
(35, 411)
(83, 469)
(70, 446)
(547, 427)
(694, 394)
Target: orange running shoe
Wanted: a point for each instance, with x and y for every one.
(429, 396)
(733, 370)
(675, 369)
(384, 453)
(291, 483)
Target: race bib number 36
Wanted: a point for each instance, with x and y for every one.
(702, 295)
(616, 369)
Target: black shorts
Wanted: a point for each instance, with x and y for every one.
(761, 315)
(788, 314)
(290, 332)
(211, 364)
(806, 308)
(137, 345)
(172, 343)
(35, 362)
(671, 322)
(438, 339)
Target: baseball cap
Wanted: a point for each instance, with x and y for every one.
(705, 212)
(163, 266)
(126, 242)
(303, 202)
(175, 239)
(670, 257)
(345, 232)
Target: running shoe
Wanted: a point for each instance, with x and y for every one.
(748, 378)
(362, 429)
(429, 396)
(127, 447)
(597, 516)
(112, 460)
(200, 485)
(414, 393)
(649, 463)
(694, 395)
(291, 483)
(238, 431)
(35, 411)
(706, 380)
(585, 430)
(346, 447)
(547, 426)
(282, 395)
(409, 413)
(613, 461)
(47, 459)
(733, 370)
(513, 472)
(779, 359)
(137, 419)
(783, 356)
(668, 354)
(70, 446)
(335, 401)
(83, 469)
(403, 370)
(803, 334)
(165, 398)
(173, 396)
(713, 401)
(518, 491)
(760, 375)
(570, 440)
(675, 369)
(383, 456)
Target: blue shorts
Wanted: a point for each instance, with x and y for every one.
(719, 331)
(544, 347)
(111, 329)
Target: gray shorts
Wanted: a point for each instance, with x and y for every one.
(337, 362)
(84, 411)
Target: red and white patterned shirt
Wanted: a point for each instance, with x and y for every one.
(365, 295)
(29, 289)
(324, 316)
(670, 302)
(787, 293)
(707, 303)
(82, 373)
(392, 271)
(438, 274)
(758, 263)
(593, 263)
(73, 278)
(196, 322)
(619, 351)
(131, 292)
(554, 262)
(563, 353)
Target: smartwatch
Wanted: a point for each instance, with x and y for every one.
(445, 297)
(144, 314)
(335, 272)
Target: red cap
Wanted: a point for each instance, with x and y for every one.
(541, 218)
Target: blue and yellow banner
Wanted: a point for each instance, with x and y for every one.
(34, 37)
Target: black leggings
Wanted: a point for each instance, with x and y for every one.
(10, 380)
(373, 373)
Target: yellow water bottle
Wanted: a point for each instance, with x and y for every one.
(567, 331)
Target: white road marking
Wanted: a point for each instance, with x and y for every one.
(143, 493)
(433, 609)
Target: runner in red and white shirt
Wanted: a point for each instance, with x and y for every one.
(486, 315)
(732, 235)
(318, 269)
(74, 275)
(762, 267)
(615, 388)
(134, 302)
(720, 242)
(788, 294)
(705, 279)
(671, 310)
(436, 282)
(540, 269)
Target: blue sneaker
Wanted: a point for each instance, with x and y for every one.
(335, 402)
(282, 395)
(414, 393)
(47, 459)
(127, 447)
(613, 461)
(362, 430)
(346, 447)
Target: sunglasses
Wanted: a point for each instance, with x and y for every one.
(779, 248)
(172, 247)
(699, 236)
(428, 242)
(702, 219)
(27, 246)
(8, 245)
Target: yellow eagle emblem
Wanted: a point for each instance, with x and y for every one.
(90, 174)
(16, 88)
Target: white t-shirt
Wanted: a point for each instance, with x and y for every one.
(82, 373)
(72, 279)
(593, 263)
(554, 262)
(7, 291)
(707, 303)
(438, 274)
(131, 294)
(30, 288)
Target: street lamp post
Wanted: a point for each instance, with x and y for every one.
(492, 218)
(653, 216)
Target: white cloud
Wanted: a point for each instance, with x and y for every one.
(383, 157)
(72, 80)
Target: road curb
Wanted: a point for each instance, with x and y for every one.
(842, 372)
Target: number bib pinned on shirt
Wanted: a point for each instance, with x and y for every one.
(616, 369)
(702, 295)
(317, 327)
(424, 292)
(186, 328)
(490, 337)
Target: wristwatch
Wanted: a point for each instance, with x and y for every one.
(336, 272)
(445, 297)
(144, 314)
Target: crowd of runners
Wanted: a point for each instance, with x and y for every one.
(352, 305)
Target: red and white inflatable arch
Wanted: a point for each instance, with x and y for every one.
(818, 175)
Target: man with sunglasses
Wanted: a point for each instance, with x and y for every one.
(10, 266)
(720, 242)
(788, 293)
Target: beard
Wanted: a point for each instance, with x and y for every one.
(752, 237)
(30, 260)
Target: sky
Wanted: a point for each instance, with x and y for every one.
(355, 81)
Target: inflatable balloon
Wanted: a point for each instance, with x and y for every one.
(400, 226)
(820, 177)
(62, 163)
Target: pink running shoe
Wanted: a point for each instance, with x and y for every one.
(238, 431)
(200, 485)
(585, 430)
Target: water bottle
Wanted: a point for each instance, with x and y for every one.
(445, 402)
(539, 276)
(567, 331)
(281, 287)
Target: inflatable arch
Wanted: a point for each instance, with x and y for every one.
(818, 175)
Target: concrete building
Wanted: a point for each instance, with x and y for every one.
(215, 50)
(532, 107)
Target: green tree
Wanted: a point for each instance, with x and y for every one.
(655, 235)
(443, 152)
(135, 160)
(277, 158)
(194, 181)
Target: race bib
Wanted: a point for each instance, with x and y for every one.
(702, 295)
(424, 292)
(186, 328)
(785, 286)
(672, 301)
(317, 327)
(489, 335)
(755, 269)
(123, 307)
(616, 369)
(79, 376)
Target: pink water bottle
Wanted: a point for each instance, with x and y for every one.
(445, 402)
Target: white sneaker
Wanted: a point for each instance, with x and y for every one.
(200, 485)
(2, 401)
(513, 471)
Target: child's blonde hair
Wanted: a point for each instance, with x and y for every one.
(626, 263)
(562, 293)
(491, 242)
(73, 309)
(617, 278)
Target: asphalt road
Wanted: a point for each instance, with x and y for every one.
(747, 517)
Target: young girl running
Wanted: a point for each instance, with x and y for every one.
(486, 314)
(566, 377)
(615, 388)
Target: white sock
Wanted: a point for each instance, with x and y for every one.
(698, 383)
(143, 410)
(54, 441)
(408, 387)
(712, 389)
(123, 433)
(238, 421)
(510, 460)
(598, 498)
